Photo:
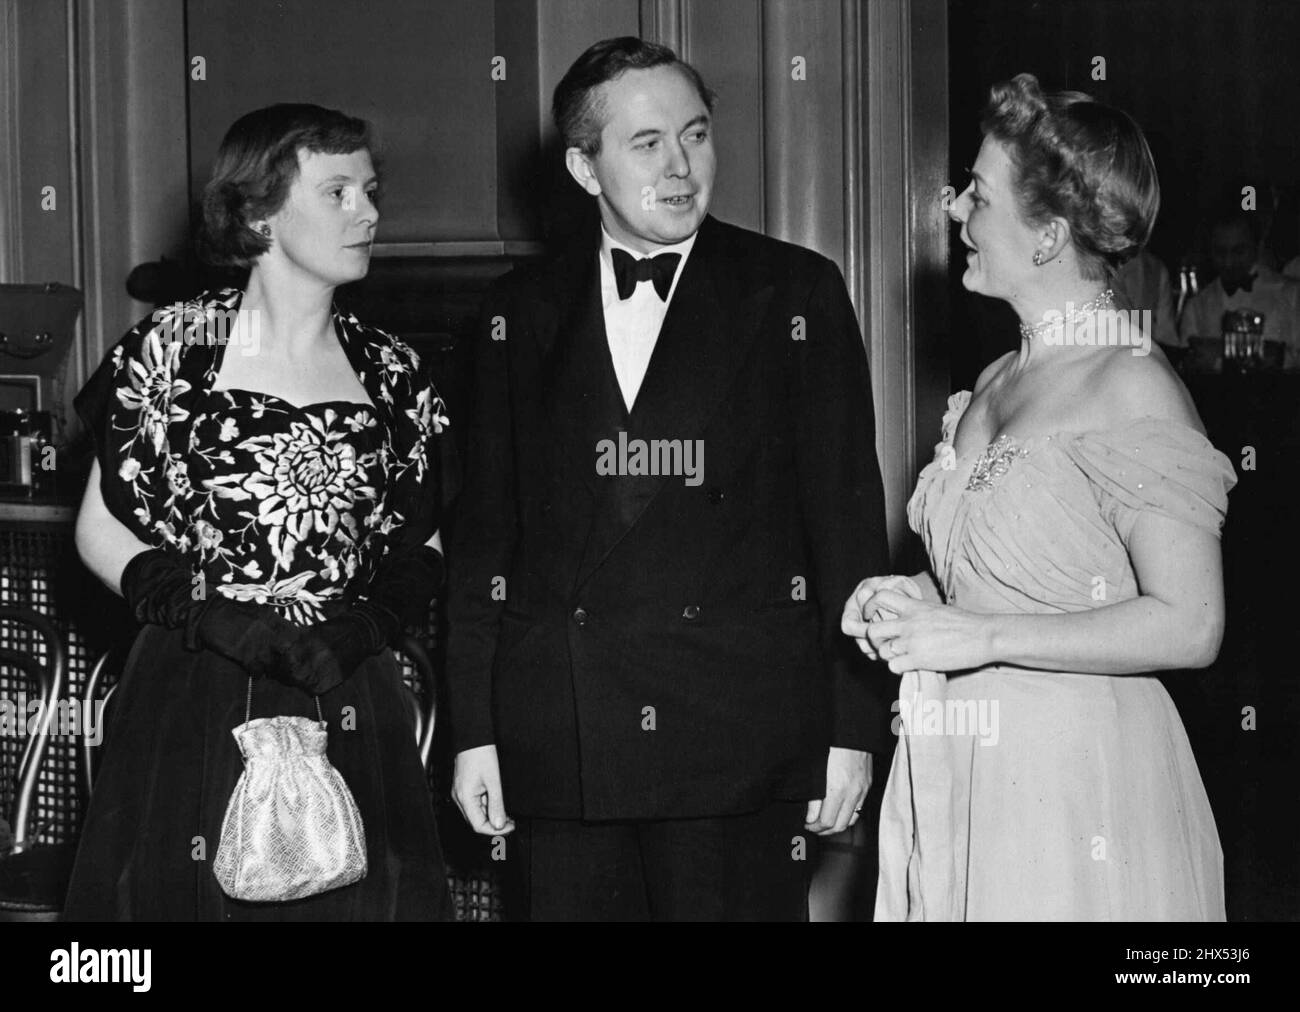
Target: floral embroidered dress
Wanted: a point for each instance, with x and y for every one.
(285, 505)
(1019, 794)
(281, 498)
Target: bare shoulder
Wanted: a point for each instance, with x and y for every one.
(1130, 387)
(991, 371)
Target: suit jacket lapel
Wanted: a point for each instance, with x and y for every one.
(706, 335)
(575, 367)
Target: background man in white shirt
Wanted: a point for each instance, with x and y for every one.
(1244, 283)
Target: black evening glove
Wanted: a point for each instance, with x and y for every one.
(159, 589)
(404, 583)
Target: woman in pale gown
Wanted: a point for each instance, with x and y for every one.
(1071, 517)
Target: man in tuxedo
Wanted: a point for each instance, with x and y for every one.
(671, 489)
(1244, 282)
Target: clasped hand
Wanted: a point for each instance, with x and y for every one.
(314, 658)
(891, 623)
(158, 584)
(260, 640)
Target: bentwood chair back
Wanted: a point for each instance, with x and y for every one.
(93, 706)
(426, 698)
(34, 876)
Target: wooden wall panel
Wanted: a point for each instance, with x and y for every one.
(41, 110)
(93, 105)
(419, 71)
(724, 40)
(565, 28)
(803, 136)
(153, 120)
(515, 110)
(930, 236)
(10, 142)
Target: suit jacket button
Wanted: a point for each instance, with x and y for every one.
(580, 615)
(716, 495)
(691, 612)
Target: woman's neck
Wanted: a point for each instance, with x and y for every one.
(1053, 300)
(293, 318)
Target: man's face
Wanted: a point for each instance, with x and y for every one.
(1232, 250)
(653, 177)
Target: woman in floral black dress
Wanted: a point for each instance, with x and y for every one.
(264, 497)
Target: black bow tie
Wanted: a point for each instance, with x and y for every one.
(1232, 289)
(628, 271)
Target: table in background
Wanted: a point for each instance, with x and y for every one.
(1252, 776)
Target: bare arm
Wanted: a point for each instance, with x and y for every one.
(1177, 619)
(1175, 622)
(103, 542)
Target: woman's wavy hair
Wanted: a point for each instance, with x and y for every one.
(256, 165)
(1081, 160)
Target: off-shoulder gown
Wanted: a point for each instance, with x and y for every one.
(1020, 794)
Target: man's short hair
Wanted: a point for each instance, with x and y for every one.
(576, 106)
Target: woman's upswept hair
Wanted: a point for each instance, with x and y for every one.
(1081, 160)
(257, 163)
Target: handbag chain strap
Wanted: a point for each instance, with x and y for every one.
(248, 707)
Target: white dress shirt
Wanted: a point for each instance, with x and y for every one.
(1278, 298)
(632, 325)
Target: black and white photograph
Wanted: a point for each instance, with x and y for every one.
(615, 461)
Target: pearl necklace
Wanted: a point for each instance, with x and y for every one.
(1054, 318)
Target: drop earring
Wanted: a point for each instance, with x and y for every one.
(264, 230)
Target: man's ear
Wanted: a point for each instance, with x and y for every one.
(579, 166)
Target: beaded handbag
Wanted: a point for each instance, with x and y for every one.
(291, 828)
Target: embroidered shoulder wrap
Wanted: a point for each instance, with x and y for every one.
(140, 403)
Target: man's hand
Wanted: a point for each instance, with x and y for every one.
(476, 789)
(848, 778)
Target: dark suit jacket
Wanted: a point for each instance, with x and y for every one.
(666, 650)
